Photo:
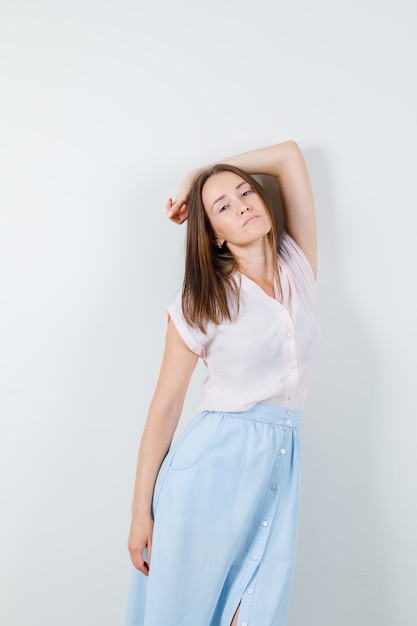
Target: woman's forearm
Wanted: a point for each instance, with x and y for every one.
(155, 443)
(269, 160)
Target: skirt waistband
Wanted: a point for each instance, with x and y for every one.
(269, 414)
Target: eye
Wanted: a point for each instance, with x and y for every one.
(246, 193)
(223, 208)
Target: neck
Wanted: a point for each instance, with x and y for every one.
(256, 261)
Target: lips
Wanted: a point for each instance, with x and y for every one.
(250, 219)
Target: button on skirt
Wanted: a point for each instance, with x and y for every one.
(225, 507)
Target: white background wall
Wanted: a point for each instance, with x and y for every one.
(104, 106)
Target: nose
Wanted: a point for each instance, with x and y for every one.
(243, 208)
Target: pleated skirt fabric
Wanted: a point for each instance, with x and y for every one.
(226, 508)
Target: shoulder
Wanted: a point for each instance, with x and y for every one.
(291, 255)
(191, 335)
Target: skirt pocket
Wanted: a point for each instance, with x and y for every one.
(196, 440)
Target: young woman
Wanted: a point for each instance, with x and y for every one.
(214, 517)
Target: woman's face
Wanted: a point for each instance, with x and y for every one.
(236, 212)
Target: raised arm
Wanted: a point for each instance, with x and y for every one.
(286, 162)
(178, 364)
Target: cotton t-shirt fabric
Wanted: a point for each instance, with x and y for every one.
(264, 354)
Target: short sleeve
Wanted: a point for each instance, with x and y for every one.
(191, 336)
(293, 256)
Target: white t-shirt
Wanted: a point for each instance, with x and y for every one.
(265, 354)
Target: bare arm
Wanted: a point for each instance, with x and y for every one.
(286, 162)
(178, 364)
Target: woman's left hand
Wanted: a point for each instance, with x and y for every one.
(177, 208)
(177, 211)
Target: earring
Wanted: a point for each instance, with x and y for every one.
(219, 245)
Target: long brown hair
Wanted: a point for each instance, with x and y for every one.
(209, 286)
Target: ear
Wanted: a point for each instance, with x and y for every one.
(219, 242)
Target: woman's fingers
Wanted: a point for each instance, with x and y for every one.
(176, 211)
(136, 556)
(140, 539)
(143, 567)
(149, 551)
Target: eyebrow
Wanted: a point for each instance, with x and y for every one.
(244, 182)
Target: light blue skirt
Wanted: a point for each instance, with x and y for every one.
(225, 507)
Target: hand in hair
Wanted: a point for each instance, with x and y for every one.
(177, 209)
(176, 212)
